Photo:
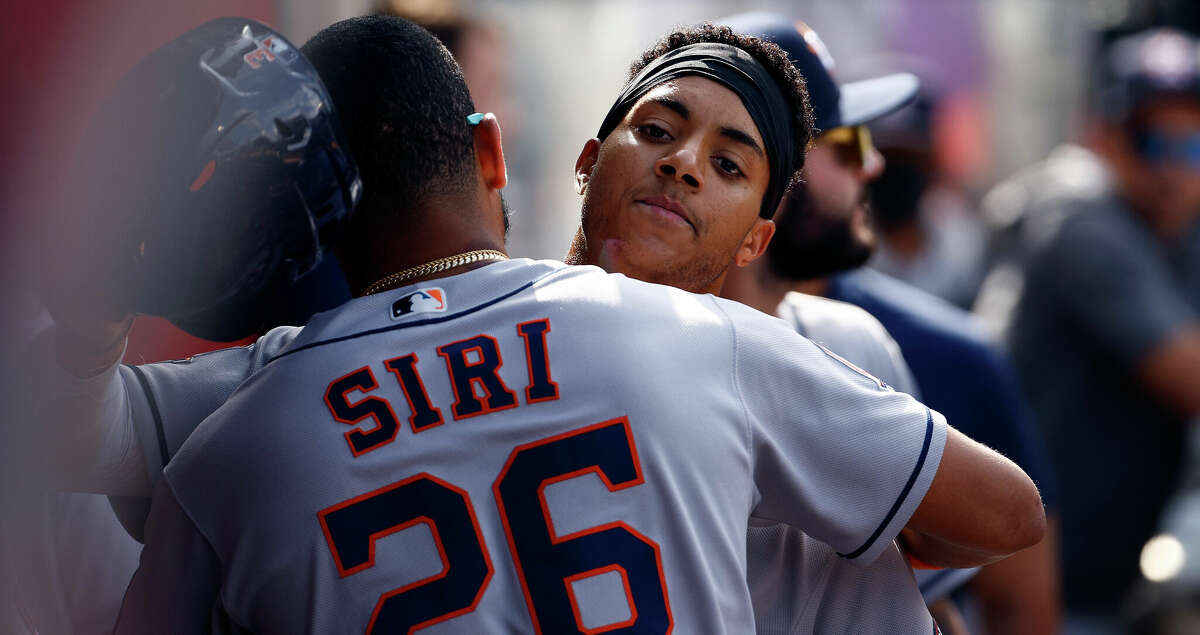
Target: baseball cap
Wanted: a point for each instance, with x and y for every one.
(833, 104)
(1147, 65)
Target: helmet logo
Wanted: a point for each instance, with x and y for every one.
(262, 54)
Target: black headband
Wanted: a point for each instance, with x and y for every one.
(738, 71)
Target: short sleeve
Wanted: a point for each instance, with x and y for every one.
(1113, 283)
(851, 333)
(836, 453)
(168, 400)
(172, 398)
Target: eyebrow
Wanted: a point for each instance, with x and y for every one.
(673, 104)
(732, 134)
(742, 138)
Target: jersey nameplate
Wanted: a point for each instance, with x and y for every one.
(472, 367)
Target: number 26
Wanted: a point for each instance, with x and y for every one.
(545, 562)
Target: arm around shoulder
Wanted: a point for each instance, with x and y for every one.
(979, 508)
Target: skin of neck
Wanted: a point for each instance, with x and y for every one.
(378, 245)
(757, 285)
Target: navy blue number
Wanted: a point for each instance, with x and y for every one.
(352, 527)
(548, 563)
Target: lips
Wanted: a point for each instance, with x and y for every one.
(669, 206)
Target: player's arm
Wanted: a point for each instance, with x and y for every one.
(852, 463)
(177, 584)
(113, 433)
(1021, 594)
(1169, 370)
(85, 433)
(979, 508)
(1114, 287)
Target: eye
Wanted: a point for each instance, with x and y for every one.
(652, 131)
(727, 166)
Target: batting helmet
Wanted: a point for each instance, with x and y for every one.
(214, 176)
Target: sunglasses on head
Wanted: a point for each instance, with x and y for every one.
(1162, 147)
(852, 144)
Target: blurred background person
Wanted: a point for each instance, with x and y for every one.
(1106, 333)
(930, 234)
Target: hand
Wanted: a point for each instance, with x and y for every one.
(90, 327)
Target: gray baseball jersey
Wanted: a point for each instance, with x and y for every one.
(799, 584)
(856, 336)
(528, 446)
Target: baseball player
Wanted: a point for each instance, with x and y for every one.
(824, 230)
(255, 583)
(788, 569)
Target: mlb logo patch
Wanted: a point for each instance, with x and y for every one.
(430, 300)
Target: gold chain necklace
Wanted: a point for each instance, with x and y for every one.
(432, 267)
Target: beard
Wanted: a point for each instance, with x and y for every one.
(813, 243)
(507, 211)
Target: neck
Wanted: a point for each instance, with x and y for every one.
(755, 285)
(445, 227)
(815, 286)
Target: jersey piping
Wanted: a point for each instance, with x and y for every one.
(163, 453)
(396, 327)
(912, 478)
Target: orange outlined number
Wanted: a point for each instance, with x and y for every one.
(547, 563)
(352, 527)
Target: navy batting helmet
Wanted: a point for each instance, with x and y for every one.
(214, 176)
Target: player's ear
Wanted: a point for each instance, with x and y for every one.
(585, 164)
(754, 245)
(489, 155)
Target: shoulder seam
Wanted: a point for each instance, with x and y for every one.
(734, 372)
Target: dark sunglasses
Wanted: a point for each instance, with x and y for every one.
(1161, 147)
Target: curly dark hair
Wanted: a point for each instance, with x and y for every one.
(773, 58)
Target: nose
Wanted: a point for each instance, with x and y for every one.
(872, 166)
(683, 164)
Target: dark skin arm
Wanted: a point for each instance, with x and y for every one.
(1022, 594)
(979, 509)
(1170, 371)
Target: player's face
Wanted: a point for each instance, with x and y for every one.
(1165, 181)
(672, 195)
(830, 230)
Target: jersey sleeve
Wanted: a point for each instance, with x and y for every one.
(177, 584)
(85, 433)
(835, 452)
(169, 399)
(851, 333)
(113, 433)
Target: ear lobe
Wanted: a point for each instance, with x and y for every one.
(489, 153)
(754, 245)
(585, 164)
